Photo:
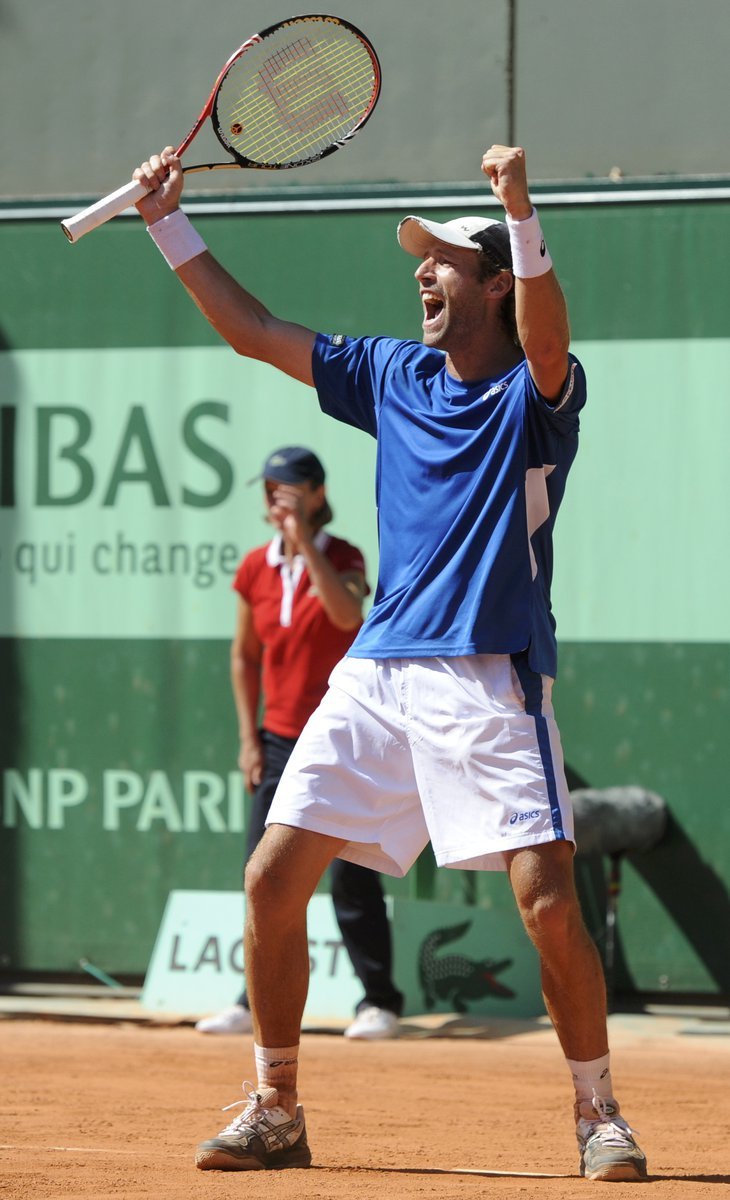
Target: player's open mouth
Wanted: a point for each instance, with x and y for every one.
(433, 307)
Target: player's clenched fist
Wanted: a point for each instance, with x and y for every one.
(506, 170)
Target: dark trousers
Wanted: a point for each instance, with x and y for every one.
(357, 893)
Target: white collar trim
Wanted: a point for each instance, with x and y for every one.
(290, 571)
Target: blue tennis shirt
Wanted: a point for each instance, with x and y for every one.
(469, 479)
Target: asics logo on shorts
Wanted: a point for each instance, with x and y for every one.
(518, 818)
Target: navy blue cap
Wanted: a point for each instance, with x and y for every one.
(292, 464)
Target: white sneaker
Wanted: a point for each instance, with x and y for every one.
(235, 1019)
(374, 1024)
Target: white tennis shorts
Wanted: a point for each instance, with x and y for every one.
(463, 752)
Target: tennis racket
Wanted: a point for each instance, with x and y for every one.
(287, 97)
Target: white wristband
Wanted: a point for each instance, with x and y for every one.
(176, 238)
(530, 256)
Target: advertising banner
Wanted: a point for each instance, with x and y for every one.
(448, 958)
(124, 510)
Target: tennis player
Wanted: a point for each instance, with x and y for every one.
(439, 723)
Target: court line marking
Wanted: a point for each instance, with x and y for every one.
(400, 1170)
(466, 1171)
(76, 1149)
(506, 1174)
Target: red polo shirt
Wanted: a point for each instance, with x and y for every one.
(301, 645)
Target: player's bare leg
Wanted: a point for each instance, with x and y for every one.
(572, 977)
(574, 990)
(281, 876)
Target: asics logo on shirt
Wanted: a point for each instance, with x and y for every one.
(518, 818)
(494, 391)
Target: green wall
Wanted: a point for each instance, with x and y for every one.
(125, 422)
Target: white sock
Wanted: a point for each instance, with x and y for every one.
(592, 1078)
(277, 1067)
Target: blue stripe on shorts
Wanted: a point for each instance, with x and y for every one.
(531, 683)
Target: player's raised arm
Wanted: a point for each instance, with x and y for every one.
(540, 309)
(242, 320)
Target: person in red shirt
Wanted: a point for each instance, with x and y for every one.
(299, 608)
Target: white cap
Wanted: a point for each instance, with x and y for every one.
(469, 233)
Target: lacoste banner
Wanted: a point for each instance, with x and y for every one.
(448, 958)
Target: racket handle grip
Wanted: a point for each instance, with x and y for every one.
(96, 214)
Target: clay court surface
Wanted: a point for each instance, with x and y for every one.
(99, 1111)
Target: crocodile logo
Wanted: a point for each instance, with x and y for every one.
(454, 977)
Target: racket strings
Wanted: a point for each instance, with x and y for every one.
(316, 121)
(326, 59)
(306, 94)
(323, 121)
(306, 104)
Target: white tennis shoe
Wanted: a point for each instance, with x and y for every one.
(235, 1019)
(374, 1024)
